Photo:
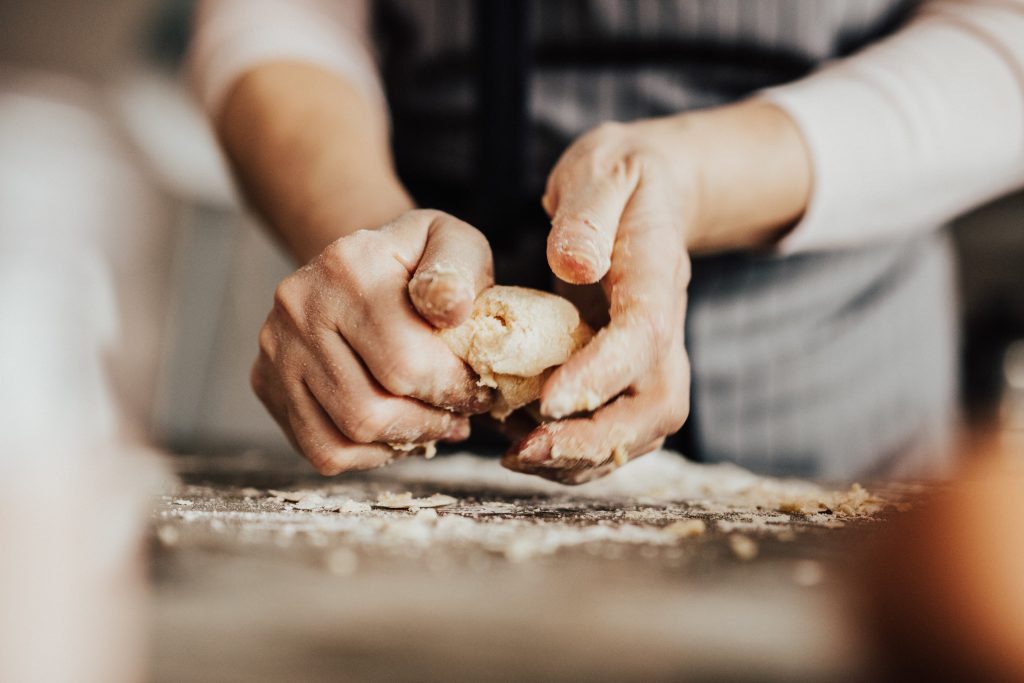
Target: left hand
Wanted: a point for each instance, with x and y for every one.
(620, 207)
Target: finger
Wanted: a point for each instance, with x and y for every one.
(326, 448)
(578, 475)
(397, 345)
(614, 434)
(456, 265)
(647, 293)
(265, 384)
(363, 411)
(407, 359)
(586, 199)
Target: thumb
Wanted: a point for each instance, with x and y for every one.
(456, 266)
(585, 210)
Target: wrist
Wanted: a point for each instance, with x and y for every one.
(366, 202)
(747, 170)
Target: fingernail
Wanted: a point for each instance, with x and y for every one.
(439, 291)
(536, 450)
(579, 261)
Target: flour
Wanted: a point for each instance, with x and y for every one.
(406, 501)
(660, 506)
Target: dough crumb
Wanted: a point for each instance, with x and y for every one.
(855, 502)
(288, 496)
(429, 447)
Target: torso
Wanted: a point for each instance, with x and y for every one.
(829, 364)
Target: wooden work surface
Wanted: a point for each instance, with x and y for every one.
(517, 579)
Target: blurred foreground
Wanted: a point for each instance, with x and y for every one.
(664, 571)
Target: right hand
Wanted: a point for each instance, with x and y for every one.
(348, 359)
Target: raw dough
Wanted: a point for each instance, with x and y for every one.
(429, 448)
(514, 338)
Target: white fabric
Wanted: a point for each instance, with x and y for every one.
(914, 130)
(903, 135)
(235, 36)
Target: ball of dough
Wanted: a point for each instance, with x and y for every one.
(514, 338)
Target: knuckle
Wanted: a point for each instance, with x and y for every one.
(473, 236)
(289, 299)
(258, 381)
(627, 165)
(268, 341)
(675, 417)
(342, 257)
(426, 215)
(676, 405)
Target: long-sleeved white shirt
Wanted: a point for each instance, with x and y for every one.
(904, 134)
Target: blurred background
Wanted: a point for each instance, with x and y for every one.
(134, 283)
(103, 146)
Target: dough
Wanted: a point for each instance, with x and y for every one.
(514, 338)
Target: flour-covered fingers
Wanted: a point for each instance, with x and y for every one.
(587, 192)
(364, 412)
(407, 359)
(614, 434)
(265, 382)
(455, 266)
(646, 288)
(326, 448)
(574, 474)
(581, 472)
(363, 279)
(347, 366)
(583, 229)
(608, 365)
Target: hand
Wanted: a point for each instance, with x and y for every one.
(348, 360)
(620, 208)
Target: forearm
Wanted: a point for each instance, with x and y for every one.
(311, 154)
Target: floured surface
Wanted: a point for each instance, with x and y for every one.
(707, 568)
(485, 508)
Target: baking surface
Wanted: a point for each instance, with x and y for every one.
(664, 570)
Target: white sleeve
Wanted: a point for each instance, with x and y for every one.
(232, 37)
(913, 130)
